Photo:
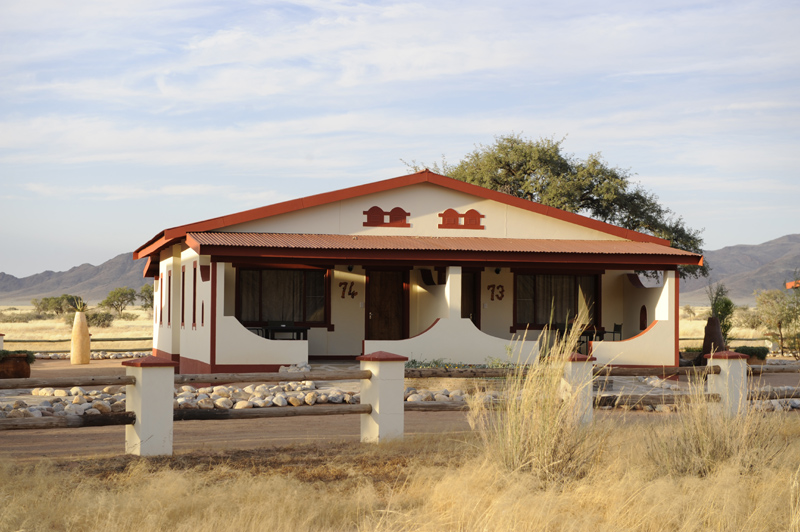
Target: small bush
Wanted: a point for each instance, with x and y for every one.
(752, 351)
(30, 356)
(93, 319)
(128, 316)
(700, 438)
(537, 428)
(24, 317)
(693, 350)
(100, 319)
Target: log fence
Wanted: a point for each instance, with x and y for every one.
(151, 382)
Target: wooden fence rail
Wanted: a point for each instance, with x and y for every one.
(30, 341)
(66, 382)
(220, 378)
(71, 422)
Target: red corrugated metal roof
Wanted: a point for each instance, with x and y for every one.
(429, 243)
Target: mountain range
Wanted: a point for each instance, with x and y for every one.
(93, 283)
(743, 269)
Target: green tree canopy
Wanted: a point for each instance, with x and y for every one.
(119, 299)
(146, 296)
(540, 171)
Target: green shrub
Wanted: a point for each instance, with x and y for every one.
(31, 357)
(758, 352)
(93, 319)
(100, 319)
(695, 350)
(127, 316)
(24, 317)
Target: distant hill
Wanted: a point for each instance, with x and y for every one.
(93, 283)
(745, 269)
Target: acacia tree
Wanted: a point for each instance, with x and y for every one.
(539, 170)
(119, 299)
(146, 296)
(777, 312)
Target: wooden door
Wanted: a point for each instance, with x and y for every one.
(470, 300)
(385, 305)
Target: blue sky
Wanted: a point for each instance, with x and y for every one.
(119, 119)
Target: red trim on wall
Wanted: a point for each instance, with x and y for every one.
(205, 273)
(452, 219)
(169, 298)
(376, 217)
(677, 319)
(190, 365)
(194, 295)
(213, 332)
(183, 296)
(246, 368)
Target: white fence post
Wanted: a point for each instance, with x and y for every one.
(151, 399)
(384, 391)
(731, 383)
(578, 377)
(1, 340)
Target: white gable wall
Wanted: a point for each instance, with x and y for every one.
(424, 202)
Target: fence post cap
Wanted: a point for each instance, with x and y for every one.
(150, 362)
(382, 356)
(726, 355)
(577, 357)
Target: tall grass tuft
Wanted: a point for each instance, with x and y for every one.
(537, 428)
(700, 438)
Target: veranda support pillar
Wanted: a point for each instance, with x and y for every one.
(1, 340)
(578, 378)
(731, 383)
(151, 399)
(453, 292)
(384, 391)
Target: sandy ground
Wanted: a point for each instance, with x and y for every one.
(218, 435)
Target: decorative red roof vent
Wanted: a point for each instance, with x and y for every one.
(376, 217)
(451, 219)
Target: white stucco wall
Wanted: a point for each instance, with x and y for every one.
(424, 202)
(653, 346)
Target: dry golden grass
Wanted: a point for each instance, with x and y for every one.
(431, 484)
(57, 329)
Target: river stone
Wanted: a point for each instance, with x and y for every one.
(250, 388)
(205, 404)
(440, 398)
(16, 413)
(336, 397)
(222, 391)
(46, 391)
(426, 395)
(36, 391)
(45, 404)
(91, 412)
(279, 400)
(294, 401)
(58, 407)
(112, 389)
(118, 406)
(185, 395)
(240, 395)
(257, 402)
(414, 398)
(19, 404)
(175, 404)
(101, 406)
(322, 399)
(240, 405)
(311, 398)
(34, 412)
(223, 402)
(457, 397)
(187, 388)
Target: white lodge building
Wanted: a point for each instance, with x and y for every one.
(421, 265)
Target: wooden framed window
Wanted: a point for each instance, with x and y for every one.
(300, 297)
(543, 299)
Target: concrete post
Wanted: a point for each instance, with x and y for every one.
(151, 399)
(578, 380)
(384, 391)
(731, 383)
(453, 292)
(1, 340)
